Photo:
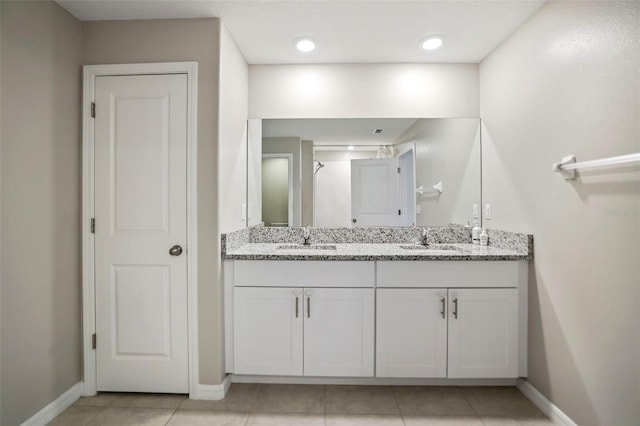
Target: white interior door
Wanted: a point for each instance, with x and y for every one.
(411, 333)
(339, 332)
(268, 331)
(140, 214)
(483, 333)
(374, 192)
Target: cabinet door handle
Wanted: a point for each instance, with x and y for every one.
(443, 307)
(308, 307)
(297, 301)
(455, 308)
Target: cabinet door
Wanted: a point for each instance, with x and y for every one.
(268, 331)
(338, 332)
(483, 333)
(411, 333)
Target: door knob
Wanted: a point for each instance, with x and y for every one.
(175, 250)
(354, 220)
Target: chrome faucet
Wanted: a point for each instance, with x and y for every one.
(425, 237)
(306, 234)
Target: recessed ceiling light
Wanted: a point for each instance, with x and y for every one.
(431, 42)
(305, 44)
(350, 148)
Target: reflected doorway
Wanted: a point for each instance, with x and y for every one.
(277, 187)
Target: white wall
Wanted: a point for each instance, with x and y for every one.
(41, 54)
(232, 174)
(363, 90)
(446, 151)
(567, 82)
(232, 134)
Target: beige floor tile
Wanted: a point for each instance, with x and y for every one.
(276, 419)
(122, 416)
(290, 399)
(502, 401)
(146, 400)
(360, 400)
(516, 421)
(436, 420)
(102, 399)
(240, 398)
(76, 416)
(363, 420)
(208, 418)
(445, 400)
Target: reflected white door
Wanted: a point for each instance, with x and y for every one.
(374, 192)
(140, 209)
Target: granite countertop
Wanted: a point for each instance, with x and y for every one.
(361, 251)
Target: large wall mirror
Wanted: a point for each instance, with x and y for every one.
(363, 172)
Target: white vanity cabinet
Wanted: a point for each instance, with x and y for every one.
(442, 320)
(268, 331)
(293, 329)
(339, 332)
(483, 333)
(421, 319)
(411, 336)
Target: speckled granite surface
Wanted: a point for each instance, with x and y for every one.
(261, 234)
(233, 240)
(511, 240)
(375, 243)
(372, 251)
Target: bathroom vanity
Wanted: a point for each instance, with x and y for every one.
(375, 310)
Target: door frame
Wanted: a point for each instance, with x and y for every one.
(288, 156)
(408, 202)
(90, 72)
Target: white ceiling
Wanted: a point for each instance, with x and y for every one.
(339, 131)
(347, 31)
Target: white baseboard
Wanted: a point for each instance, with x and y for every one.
(212, 392)
(546, 406)
(56, 407)
(372, 381)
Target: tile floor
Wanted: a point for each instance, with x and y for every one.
(313, 405)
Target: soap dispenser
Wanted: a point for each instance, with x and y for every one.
(484, 238)
(475, 233)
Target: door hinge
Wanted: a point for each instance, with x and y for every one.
(399, 212)
(93, 341)
(93, 109)
(398, 169)
(93, 225)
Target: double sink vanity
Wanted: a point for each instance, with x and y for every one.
(374, 305)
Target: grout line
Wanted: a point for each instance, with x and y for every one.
(253, 404)
(325, 404)
(461, 390)
(171, 416)
(395, 397)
